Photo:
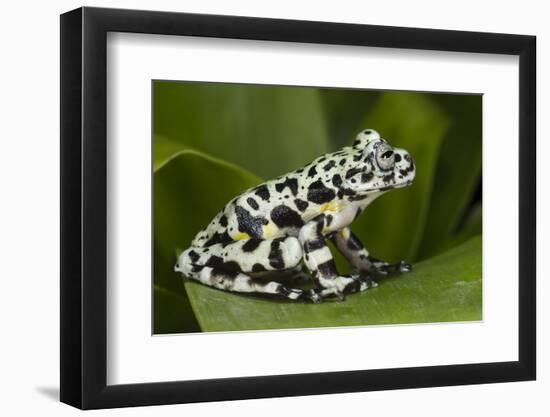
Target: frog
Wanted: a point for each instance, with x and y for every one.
(282, 227)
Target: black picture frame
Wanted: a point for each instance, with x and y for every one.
(84, 209)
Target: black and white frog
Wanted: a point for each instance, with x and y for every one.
(282, 225)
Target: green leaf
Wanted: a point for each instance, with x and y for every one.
(444, 288)
(189, 189)
(165, 150)
(172, 313)
(392, 226)
(345, 109)
(458, 170)
(268, 130)
(472, 226)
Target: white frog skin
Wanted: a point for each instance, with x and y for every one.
(280, 226)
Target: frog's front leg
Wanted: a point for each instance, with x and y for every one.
(353, 250)
(318, 259)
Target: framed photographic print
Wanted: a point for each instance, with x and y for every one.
(258, 207)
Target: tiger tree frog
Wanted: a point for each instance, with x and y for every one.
(282, 225)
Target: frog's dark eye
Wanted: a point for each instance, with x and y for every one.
(385, 157)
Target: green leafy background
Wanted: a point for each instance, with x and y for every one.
(212, 141)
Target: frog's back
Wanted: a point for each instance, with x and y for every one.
(255, 213)
(279, 207)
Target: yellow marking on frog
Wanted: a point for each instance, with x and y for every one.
(241, 236)
(269, 230)
(344, 233)
(332, 207)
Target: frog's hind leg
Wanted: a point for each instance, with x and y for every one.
(227, 266)
(299, 275)
(240, 282)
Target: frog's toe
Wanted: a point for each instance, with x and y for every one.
(382, 270)
(314, 296)
(366, 283)
(401, 267)
(311, 295)
(330, 292)
(291, 293)
(404, 267)
(340, 296)
(360, 283)
(355, 273)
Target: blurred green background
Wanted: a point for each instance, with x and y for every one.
(212, 141)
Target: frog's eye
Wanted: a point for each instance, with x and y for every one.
(385, 157)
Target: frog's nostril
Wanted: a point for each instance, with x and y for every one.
(397, 157)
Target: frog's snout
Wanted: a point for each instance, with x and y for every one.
(405, 168)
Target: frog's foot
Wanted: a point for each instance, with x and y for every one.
(332, 292)
(343, 285)
(384, 268)
(354, 251)
(239, 282)
(362, 282)
(312, 295)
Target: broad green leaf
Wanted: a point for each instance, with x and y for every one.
(164, 150)
(458, 170)
(345, 109)
(189, 189)
(188, 192)
(442, 289)
(472, 226)
(171, 309)
(172, 313)
(392, 226)
(269, 130)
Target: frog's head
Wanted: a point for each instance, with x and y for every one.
(380, 167)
